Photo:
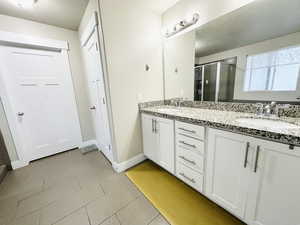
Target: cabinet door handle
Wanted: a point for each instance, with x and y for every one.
(246, 154)
(155, 126)
(152, 125)
(186, 177)
(187, 144)
(256, 158)
(187, 160)
(186, 130)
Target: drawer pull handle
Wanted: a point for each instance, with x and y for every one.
(187, 160)
(187, 144)
(186, 177)
(186, 130)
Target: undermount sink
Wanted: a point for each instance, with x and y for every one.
(266, 123)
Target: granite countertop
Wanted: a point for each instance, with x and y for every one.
(227, 120)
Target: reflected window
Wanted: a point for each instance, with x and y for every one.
(273, 71)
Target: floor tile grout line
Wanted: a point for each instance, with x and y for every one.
(129, 203)
(65, 216)
(118, 219)
(102, 188)
(40, 217)
(88, 216)
(36, 210)
(153, 219)
(29, 196)
(115, 213)
(76, 210)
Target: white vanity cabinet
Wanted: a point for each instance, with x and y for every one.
(256, 180)
(158, 141)
(190, 154)
(227, 179)
(274, 197)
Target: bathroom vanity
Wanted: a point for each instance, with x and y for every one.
(245, 163)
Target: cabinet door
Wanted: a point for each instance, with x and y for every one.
(165, 131)
(150, 141)
(226, 175)
(275, 192)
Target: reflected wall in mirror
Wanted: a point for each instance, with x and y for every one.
(251, 54)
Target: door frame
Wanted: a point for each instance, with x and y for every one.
(92, 27)
(19, 40)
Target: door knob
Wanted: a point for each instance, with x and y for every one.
(20, 114)
(93, 108)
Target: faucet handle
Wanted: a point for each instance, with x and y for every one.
(259, 108)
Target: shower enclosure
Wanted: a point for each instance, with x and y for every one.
(215, 81)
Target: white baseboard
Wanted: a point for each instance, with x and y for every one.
(18, 164)
(121, 167)
(88, 143)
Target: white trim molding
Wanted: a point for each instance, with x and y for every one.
(89, 30)
(9, 38)
(88, 143)
(18, 164)
(121, 167)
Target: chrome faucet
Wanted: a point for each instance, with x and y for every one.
(259, 109)
(270, 109)
(177, 101)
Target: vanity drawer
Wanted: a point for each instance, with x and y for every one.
(191, 130)
(190, 158)
(189, 143)
(189, 176)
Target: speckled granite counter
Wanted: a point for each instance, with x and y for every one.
(227, 120)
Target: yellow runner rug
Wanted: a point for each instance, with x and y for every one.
(177, 202)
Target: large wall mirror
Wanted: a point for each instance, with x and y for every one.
(251, 54)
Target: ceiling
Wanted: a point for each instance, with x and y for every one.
(62, 13)
(67, 13)
(258, 21)
(158, 6)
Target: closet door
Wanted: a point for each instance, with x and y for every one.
(97, 94)
(39, 92)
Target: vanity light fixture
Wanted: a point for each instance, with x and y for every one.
(25, 4)
(182, 25)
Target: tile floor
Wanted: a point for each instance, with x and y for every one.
(73, 189)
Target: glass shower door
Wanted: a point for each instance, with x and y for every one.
(210, 82)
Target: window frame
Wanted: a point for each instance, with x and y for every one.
(270, 76)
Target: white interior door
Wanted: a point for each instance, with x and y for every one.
(98, 96)
(40, 95)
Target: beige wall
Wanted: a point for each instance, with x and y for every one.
(12, 24)
(179, 53)
(132, 40)
(241, 53)
(208, 10)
